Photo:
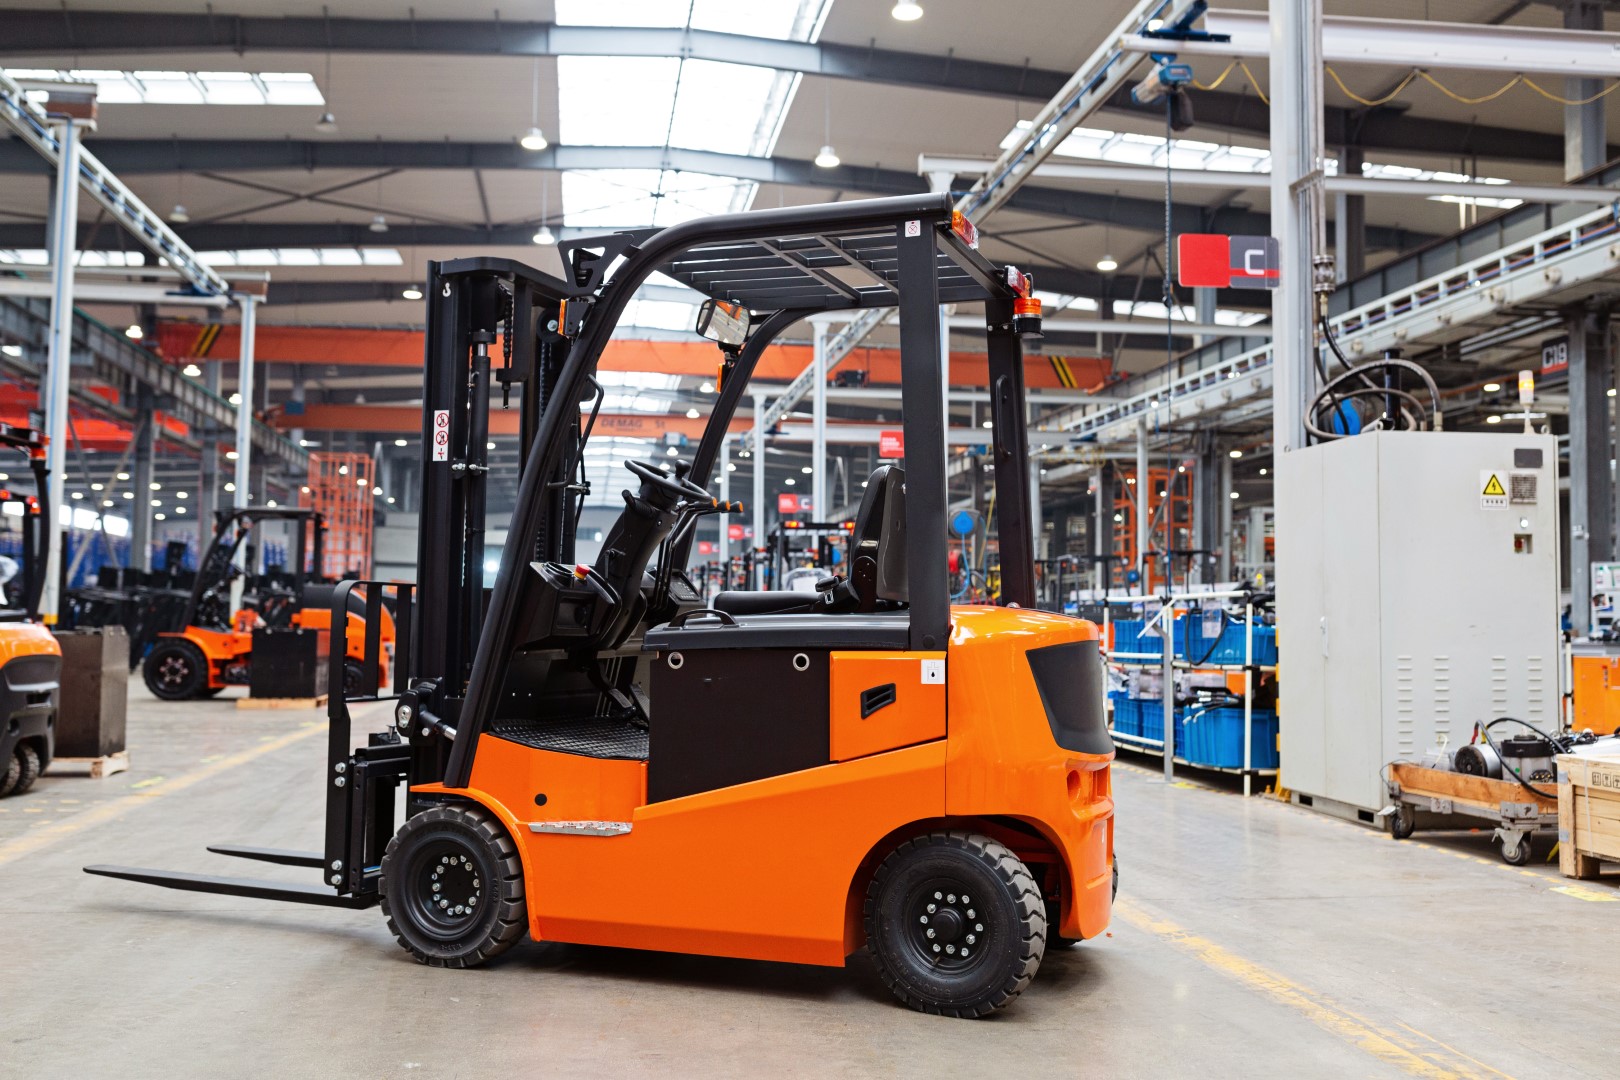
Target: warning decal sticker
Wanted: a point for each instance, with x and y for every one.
(1492, 494)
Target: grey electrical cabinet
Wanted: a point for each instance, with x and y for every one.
(1417, 594)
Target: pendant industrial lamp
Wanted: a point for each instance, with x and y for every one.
(543, 235)
(907, 11)
(828, 157)
(534, 138)
(327, 124)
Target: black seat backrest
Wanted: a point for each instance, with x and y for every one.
(880, 532)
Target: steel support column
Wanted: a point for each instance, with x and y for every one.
(1591, 481)
(1586, 144)
(1142, 533)
(140, 524)
(818, 417)
(757, 458)
(1102, 532)
(244, 411)
(1296, 220)
(59, 358)
(1225, 569)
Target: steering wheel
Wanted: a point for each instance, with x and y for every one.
(668, 481)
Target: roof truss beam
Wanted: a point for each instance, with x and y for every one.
(52, 32)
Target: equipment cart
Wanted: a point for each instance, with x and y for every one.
(1459, 801)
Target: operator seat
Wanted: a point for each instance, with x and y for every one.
(876, 561)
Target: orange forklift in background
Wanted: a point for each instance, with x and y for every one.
(592, 755)
(30, 658)
(214, 648)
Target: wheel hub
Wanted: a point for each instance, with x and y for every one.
(449, 889)
(946, 927)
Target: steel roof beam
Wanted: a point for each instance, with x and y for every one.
(49, 32)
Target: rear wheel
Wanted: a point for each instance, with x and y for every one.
(354, 678)
(28, 768)
(176, 670)
(12, 773)
(452, 887)
(955, 923)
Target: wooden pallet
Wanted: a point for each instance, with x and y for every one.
(1479, 792)
(282, 702)
(97, 767)
(1588, 814)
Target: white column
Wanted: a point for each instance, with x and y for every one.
(244, 388)
(59, 359)
(1224, 568)
(722, 544)
(818, 427)
(1296, 219)
(758, 457)
(1142, 531)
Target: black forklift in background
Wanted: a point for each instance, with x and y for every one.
(579, 741)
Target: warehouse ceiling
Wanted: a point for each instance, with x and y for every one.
(426, 141)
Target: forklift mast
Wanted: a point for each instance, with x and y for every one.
(233, 528)
(36, 517)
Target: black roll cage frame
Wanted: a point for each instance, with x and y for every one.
(229, 535)
(924, 244)
(36, 525)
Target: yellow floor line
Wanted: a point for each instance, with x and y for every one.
(1423, 1056)
(109, 811)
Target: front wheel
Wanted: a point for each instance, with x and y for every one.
(1516, 851)
(176, 670)
(452, 887)
(955, 923)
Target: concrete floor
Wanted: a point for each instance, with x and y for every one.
(1251, 939)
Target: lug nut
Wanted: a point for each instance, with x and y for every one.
(931, 908)
(924, 920)
(936, 948)
(930, 931)
(951, 949)
(979, 927)
(970, 940)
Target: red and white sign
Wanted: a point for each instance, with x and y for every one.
(1213, 260)
(891, 444)
(705, 547)
(736, 532)
(441, 434)
(793, 504)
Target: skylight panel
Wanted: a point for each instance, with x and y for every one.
(639, 380)
(785, 20)
(719, 106)
(615, 100)
(303, 257)
(660, 315)
(609, 198)
(155, 87)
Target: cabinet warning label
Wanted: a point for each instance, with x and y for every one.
(1492, 495)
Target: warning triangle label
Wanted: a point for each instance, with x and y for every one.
(1493, 486)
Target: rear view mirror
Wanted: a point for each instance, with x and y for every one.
(724, 322)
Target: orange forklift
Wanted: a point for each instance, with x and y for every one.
(214, 647)
(30, 658)
(878, 770)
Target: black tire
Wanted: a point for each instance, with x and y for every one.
(1403, 822)
(28, 768)
(1005, 928)
(439, 858)
(354, 677)
(212, 691)
(175, 670)
(9, 778)
(1518, 853)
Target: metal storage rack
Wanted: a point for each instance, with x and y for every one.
(1169, 664)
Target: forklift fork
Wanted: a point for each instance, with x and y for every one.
(360, 781)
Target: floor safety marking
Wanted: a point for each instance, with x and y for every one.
(116, 808)
(1413, 1052)
(1580, 892)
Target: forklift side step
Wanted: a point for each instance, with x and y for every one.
(582, 828)
(278, 856)
(248, 887)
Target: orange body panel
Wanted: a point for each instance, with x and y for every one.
(1003, 760)
(221, 647)
(26, 639)
(771, 869)
(761, 870)
(917, 715)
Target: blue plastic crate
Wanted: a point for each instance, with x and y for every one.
(1152, 714)
(1129, 638)
(1215, 738)
(1127, 714)
(1229, 649)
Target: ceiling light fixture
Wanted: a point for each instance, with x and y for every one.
(692, 414)
(1491, 387)
(134, 332)
(1108, 264)
(1493, 419)
(907, 10)
(543, 235)
(179, 215)
(191, 371)
(379, 223)
(534, 138)
(827, 158)
(1234, 453)
(399, 442)
(327, 124)
(412, 293)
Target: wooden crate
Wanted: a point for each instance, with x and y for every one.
(1588, 813)
(1478, 792)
